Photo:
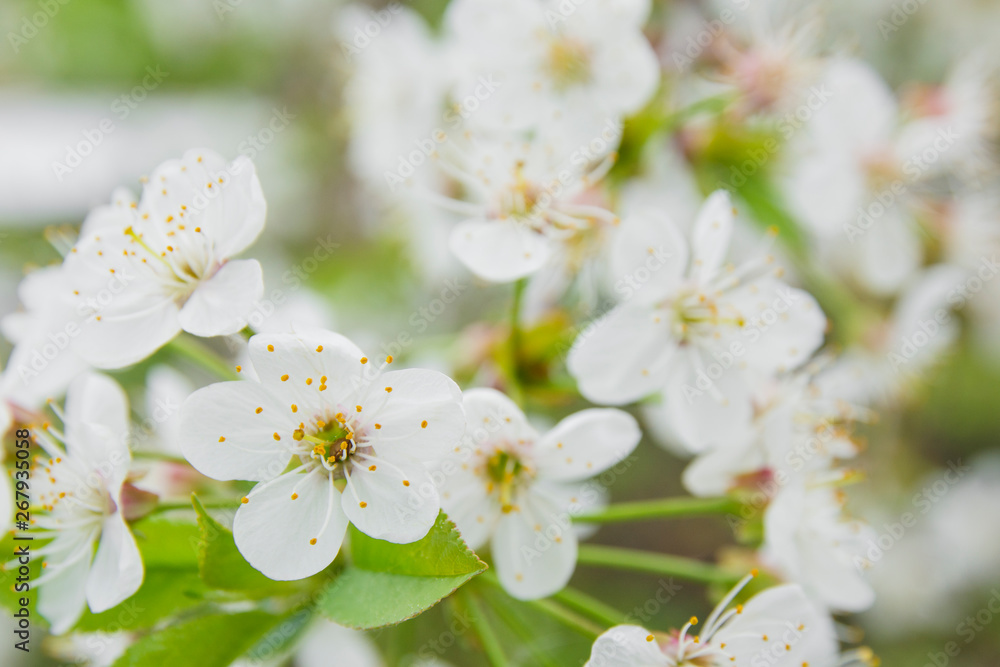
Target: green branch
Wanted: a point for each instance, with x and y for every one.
(664, 508)
(653, 563)
(189, 347)
(480, 625)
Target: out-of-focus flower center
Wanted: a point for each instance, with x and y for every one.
(568, 63)
(505, 471)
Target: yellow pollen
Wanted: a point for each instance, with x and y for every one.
(362, 504)
(372, 468)
(388, 359)
(693, 620)
(244, 500)
(295, 496)
(378, 426)
(298, 434)
(259, 410)
(277, 437)
(364, 360)
(406, 482)
(650, 638)
(284, 378)
(239, 368)
(319, 348)
(423, 424)
(388, 390)
(270, 348)
(222, 438)
(309, 380)
(295, 408)
(313, 540)
(358, 408)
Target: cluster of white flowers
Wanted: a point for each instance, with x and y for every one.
(725, 360)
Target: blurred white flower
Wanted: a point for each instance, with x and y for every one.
(681, 317)
(778, 626)
(809, 541)
(80, 489)
(320, 403)
(516, 488)
(797, 428)
(527, 206)
(566, 68)
(143, 272)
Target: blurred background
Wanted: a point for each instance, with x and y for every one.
(95, 93)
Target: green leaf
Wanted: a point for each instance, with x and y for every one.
(163, 593)
(388, 583)
(215, 640)
(221, 564)
(166, 543)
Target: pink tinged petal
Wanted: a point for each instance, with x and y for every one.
(225, 437)
(627, 646)
(117, 571)
(500, 251)
(782, 327)
(306, 358)
(648, 256)
(711, 234)
(534, 548)
(623, 357)
(130, 334)
(585, 444)
(221, 305)
(396, 502)
(289, 539)
(421, 417)
(780, 623)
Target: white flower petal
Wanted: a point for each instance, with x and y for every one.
(224, 437)
(492, 417)
(626, 646)
(648, 256)
(400, 501)
(117, 570)
(421, 417)
(465, 499)
(710, 236)
(499, 251)
(97, 400)
(623, 357)
(130, 334)
(62, 598)
(585, 444)
(534, 548)
(221, 305)
(275, 533)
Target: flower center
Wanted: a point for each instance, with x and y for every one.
(504, 472)
(334, 442)
(568, 63)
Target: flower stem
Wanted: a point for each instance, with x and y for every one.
(653, 563)
(187, 346)
(590, 607)
(482, 628)
(514, 342)
(663, 508)
(207, 503)
(157, 456)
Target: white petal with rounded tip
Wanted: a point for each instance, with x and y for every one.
(127, 337)
(626, 646)
(714, 472)
(117, 570)
(225, 438)
(113, 217)
(422, 417)
(585, 444)
(648, 256)
(499, 251)
(710, 235)
(307, 357)
(166, 391)
(221, 305)
(62, 598)
(401, 502)
(492, 417)
(706, 411)
(274, 532)
(97, 400)
(623, 357)
(534, 548)
(782, 624)
(782, 327)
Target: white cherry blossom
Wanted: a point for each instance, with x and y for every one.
(79, 485)
(515, 488)
(358, 436)
(690, 313)
(778, 626)
(143, 272)
(566, 67)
